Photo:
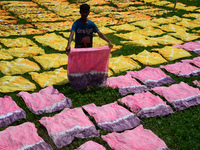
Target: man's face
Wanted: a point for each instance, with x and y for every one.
(84, 13)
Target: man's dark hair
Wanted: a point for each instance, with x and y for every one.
(84, 7)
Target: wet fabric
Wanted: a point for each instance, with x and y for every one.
(152, 77)
(112, 117)
(23, 136)
(4, 55)
(172, 28)
(167, 40)
(195, 61)
(88, 66)
(135, 139)
(126, 84)
(197, 83)
(182, 69)
(124, 27)
(131, 36)
(10, 111)
(145, 23)
(181, 95)
(91, 145)
(150, 31)
(72, 123)
(185, 36)
(18, 42)
(146, 105)
(47, 100)
(140, 42)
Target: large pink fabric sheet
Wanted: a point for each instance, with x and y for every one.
(181, 95)
(146, 105)
(22, 137)
(195, 61)
(182, 69)
(126, 84)
(10, 111)
(112, 117)
(91, 145)
(151, 76)
(47, 100)
(67, 125)
(135, 139)
(88, 66)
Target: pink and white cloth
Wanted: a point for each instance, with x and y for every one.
(112, 117)
(181, 95)
(47, 100)
(88, 66)
(22, 137)
(146, 105)
(197, 83)
(10, 111)
(151, 77)
(195, 61)
(126, 84)
(91, 145)
(135, 139)
(182, 69)
(68, 124)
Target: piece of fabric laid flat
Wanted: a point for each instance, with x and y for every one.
(88, 66)
(91, 145)
(146, 105)
(22, 137)
(135, 139)
(197, 83)
(195, 61)
(47, 100)
(68, 124)
(112, 117)
(181, 95)
(185, 36)
(182, 69)
(152, 77)
(126, 84)
(10, 111)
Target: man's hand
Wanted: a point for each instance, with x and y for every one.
(110, 45)
(68, 49)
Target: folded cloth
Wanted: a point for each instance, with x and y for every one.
(112, 117)
(181, 95)
(146, 105)
(67, 125)
(22, 137)
(135, 139)
(88, 66)
(47, 100)
(91, 145)
(197, 83)
(195, 61)
(10, 111)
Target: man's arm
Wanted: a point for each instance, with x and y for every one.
(101, 35)
(69, 41)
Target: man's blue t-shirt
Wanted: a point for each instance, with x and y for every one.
(84, 33)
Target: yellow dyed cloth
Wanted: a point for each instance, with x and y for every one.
(149, 58)
(188, 24)
(164, 20)
(4, 55)
(192, 15)
(131, 36)
(136, 17)
(48, 61)
(110, 73)
(185, 36)
(167, 40)
(15, 83)
(150, 31)
(124, 27)
(141, 42)
(160, 3)
(106, 30)
(18, 42)
(172, 53)
(52, 40)
(145, 23)
(56, 77)
(121, 63)
(172, 28)
(18, 66)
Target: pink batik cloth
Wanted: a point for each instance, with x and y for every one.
(135, 139)
(151, 76)
(146, 105)
(67, 125)
(10, 111)
(22, 137)
(197, 83)
(91, 145)
(112, 117)
(88, 66)
(126, 84)
(181, 95)
(182, 69)
(47, 100)
(195, 61)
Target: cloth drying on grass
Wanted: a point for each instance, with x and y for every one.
(135, 139)
(182, 69)
(197, 83)
(167, 40)
(56, 77)
(185, 36)
(10, 111)
(145, 23)
(48, 61)
(15, 83)
(146, 105)
(140, 42)
(91, 145)
(131, 36)
(164, 20)
(172, 53)
(47, 100)
(112, 117)
(18, 66)
(150, 31)
(67, 125)
(172, 28)
(195, 61)
(181, 95)
(23, 136)
(88, 66)
(192, 15)
(152, 77)
(18, 42)
(4, 55)
(106, 30)
(188, 23)
(126, 84)
(124, 27)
